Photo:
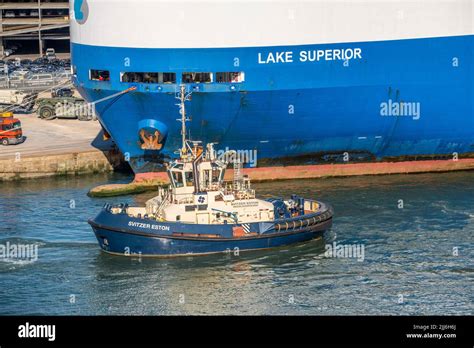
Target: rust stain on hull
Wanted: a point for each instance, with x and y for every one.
(338, 170)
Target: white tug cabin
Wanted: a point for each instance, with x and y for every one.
(198, 193)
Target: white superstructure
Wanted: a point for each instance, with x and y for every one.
(231, 23)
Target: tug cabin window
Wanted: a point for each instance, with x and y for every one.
(180, 178)
(211, 177)
(196, 77)
(177, 177)
(230, 77)
(206, 179)
(217, 175)
(148, 77)
(99, 75)
(189, 178)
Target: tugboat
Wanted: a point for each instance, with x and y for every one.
(199, 213)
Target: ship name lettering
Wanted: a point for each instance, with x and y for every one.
(138, 224)
(145, 225)
(338, 54)
(160, 227)
(276, 57)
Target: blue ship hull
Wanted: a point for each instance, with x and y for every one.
(128, 236)
(293, 110)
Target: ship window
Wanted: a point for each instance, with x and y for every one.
(215, 175)
(229, 77)
(139, 77)
(189, 178)
(169, 78)
(99, 75)
(196, 77)
(148, 77)
(178, 179)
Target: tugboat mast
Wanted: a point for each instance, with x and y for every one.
(182, 110)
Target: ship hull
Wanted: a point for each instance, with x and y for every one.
(136, 245)
(128, 236)
(356, 100)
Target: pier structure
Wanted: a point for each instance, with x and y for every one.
(58, 147)
(34, 21)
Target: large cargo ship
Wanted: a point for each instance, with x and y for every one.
(305, 81)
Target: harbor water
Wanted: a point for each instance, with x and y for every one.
(411, 237)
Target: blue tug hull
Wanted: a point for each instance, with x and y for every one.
(123, 235)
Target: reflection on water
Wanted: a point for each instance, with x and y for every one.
(409, 252)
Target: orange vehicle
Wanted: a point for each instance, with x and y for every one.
(10, 129)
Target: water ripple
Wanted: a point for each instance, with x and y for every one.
(422, 253)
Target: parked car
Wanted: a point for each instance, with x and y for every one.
(23, 13)
(40, 61)
(10, 14)
(34, 13)
(20, 73)
(66, 63)
(8, 52)
(32, 72)
(62, 92)
(50, 54)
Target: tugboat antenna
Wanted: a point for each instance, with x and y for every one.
(182, 110)
(183, 119)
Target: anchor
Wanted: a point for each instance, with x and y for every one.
(150, 141)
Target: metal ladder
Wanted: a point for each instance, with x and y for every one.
(237, 175)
